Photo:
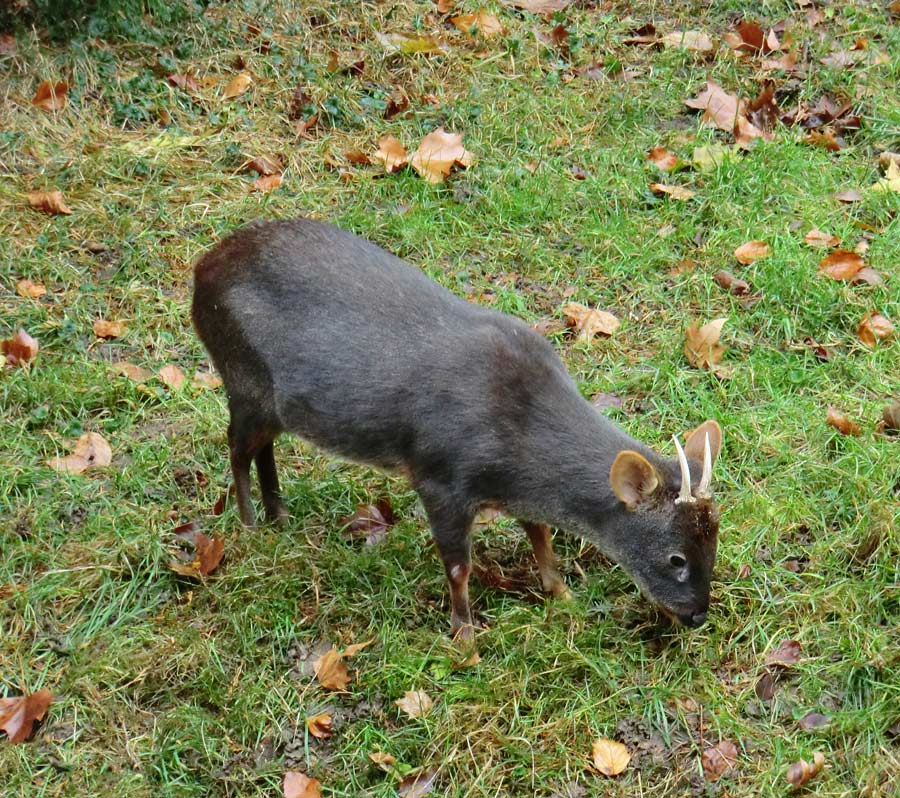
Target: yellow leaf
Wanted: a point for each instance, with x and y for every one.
(891, 180)
(609, 757)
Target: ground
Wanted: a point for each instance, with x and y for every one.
(171, 686)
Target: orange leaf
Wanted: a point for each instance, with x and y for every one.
(663, 159)
(109, 329)
(675, 192)
(51, 202)
(172, 377)
(609, 757)
(751, 251)
(19, 714)
(206, 379)
(391, 153)
(331, 671)
(438, 152)
(133, 372)
(588, 322)
(817, 238)
(51, 96)
(841, 422)
(208, 552)
(19, 349)
(874, 327)
(482, 22)
(382, 759)
(267, 183)
(91, 451)
(237, 86)
(263, 165)
(319, 725)
(299, 785)
(29, 289)
(841, 264)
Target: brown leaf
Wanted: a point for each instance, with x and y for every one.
(718, 106)
(331, 671)
(355, 648)
(765, 687)
(874, 327)
(415, 703)
(675, 192)
(397, 103)
(752, 36)
(19, 349)
(417, 785)
(817, 238)
(8, 44)
(357, 157)
(437, 153)
(589, 322)
(751, 251)
(891, 416)
(695, 40)
(841, 264)
(663, 159)
(51, 96)
(850, 195)
(319, 726)
(763, 111)
(482, 23)
(473, 659)
(538, 6)
(51, 202)
(267, 183)
(801, 772)
(207, 555)
(264, 166)
(842, 424)
(371, 521)
(444, 6)
(109, 329)
(206, 379)
(787, 654)
(391, 153)
(299, 785)
(702, 347)
(133, 372)
(729, 282)
(237, 86)
(29, 289)
(719, 760)
(188, 82)
(19, 714)
(382, 759)
(868, 276)
(91, 451)
(609, 756)
(605, 400)
(172, 377)
(814, 720)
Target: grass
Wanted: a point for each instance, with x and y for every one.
(171, 688)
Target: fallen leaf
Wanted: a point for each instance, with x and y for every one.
(765, 687)
(710, 157)
(786, 655)
(481, 22)
(397, 103)
(391, 153)
(415, 703)
(818, 238)
(172, 377)
(801, 772)
(702, 347)
(719, 760)
(763, 112)
(675, 192)
(841, 423)
(886, 158)
(891, 416)
(729, 282)
(188, 82)
(51, 96)
(109, 329)
(133, 372)
(752, 38)
(8, 44)
(751, 251)
(891, 180)
(695, 40)
(356, 648)
(267, 183)
(371, 521)
(299, 785)
(357, 157)
(29, 289)
(663, 159)
(473, 659)
(444, 6)
(91, 451)
(207, 553)
(814, 720)
(319, 726)
(410, 43)
(726, 112)
(850, 195)
(874, 327)
(263, 165)
(841, 264)
(538, 6)
(589, 322)
(437, 153)
(868, 276)
(206, 379)
(609, 756)
(19, 349)
(51, 202)
(606, 400)
(417, 785)
(331, 671)
(382, 759)
(237, 86)
(18, 714)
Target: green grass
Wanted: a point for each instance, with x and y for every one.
(177, 689)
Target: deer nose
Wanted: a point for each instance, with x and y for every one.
(698, 619)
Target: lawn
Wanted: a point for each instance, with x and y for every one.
(181, 687)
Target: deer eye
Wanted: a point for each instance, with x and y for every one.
(677, 561)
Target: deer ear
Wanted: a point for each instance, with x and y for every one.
(632, 478)
(696, 441)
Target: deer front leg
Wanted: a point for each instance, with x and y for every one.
(542, 543)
